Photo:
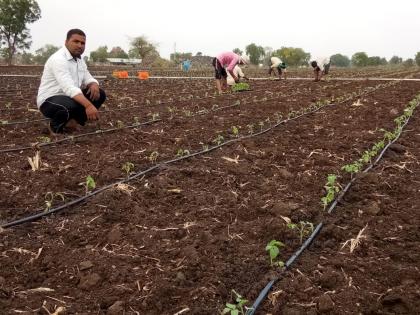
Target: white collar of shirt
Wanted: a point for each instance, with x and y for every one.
(69, 55)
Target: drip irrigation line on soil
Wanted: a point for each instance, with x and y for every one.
(39, 76)
(141, 173)
(346, 79)
(10, 123)
(131, 107)
(367, 169)
(288, 78)
(199, 112)
(212, 78)
(316, 231)
(116, 109)
(289, 262)
(205, 111)
(73, 202)
(150, 169)
(136, 175)
(71, 138)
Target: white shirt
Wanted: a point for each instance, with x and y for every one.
(237, 71)
(275, 62)
(322, 62)
(63, 75)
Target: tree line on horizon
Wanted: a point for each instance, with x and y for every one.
(15, 40)
(293, 56)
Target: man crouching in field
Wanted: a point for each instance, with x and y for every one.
(68, 94)
(321, 67)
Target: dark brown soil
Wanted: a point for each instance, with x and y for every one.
(182, 237)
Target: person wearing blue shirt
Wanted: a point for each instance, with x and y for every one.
(186, 65)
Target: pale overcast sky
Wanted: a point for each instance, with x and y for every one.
(324, 27)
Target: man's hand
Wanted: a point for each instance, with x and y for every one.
(93, 91)
(92, 113)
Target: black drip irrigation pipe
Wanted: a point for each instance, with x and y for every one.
(205, 111)
(310, 239)
(199, 112)
(27, 121)
(141, 173)
(71, 138)
(9, 123)
(167, 101)
(93, 193)
(126, 108)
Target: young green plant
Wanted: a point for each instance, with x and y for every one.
(44, 139)
(49, 199)
(235, 131)
(304, 229)
(273, 249)
(332, 188)
(127, 167)
(238, 307)
(219, 140)
(182, 152)
(89, 184)
(153, 156)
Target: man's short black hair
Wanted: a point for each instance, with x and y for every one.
(75, 31)
(314, 64)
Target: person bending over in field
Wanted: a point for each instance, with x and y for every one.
(238, 73)
(224, 63)
(68, 94)
(276, 63)
(321, 67)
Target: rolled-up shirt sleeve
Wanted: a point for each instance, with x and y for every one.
(88, 79)
(64, 79)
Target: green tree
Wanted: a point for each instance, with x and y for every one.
(117, 52)
(100, 54)
(417, 58)
(159, 62)
(376, 61)
(359, 59)
(199, 53)
(340, 60)
(141, 47)
(395, 60)
(293, 56)
(255, 53)
(27, 58)
(14, 15)
(238, 51)
(43, 53)
(408, 62)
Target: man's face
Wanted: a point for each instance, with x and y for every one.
(76, 45)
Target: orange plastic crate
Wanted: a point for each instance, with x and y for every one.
(120, 74)
(143, 75)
